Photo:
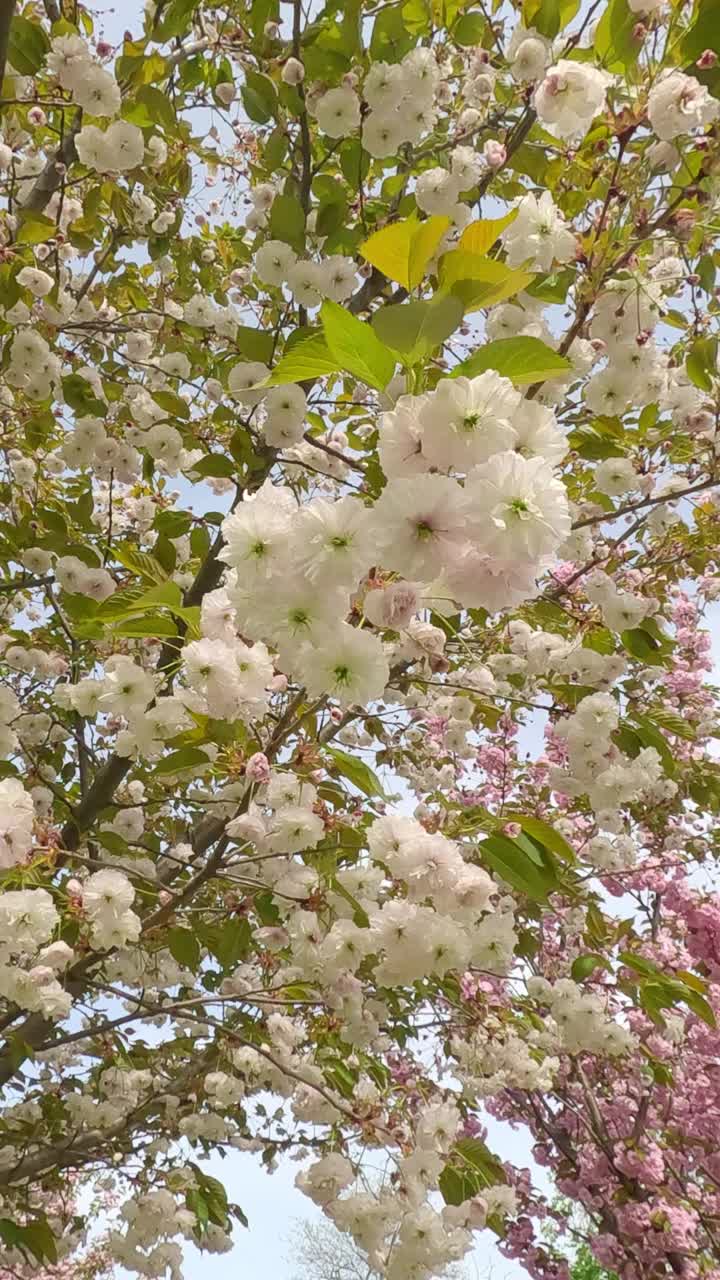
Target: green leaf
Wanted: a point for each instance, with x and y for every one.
(78, 393)
(704, 33)
(159, 105)
(176, 21)
(231, 942)
(673, 722)
(287, 222)
(185, 758)
(215, 465)
(470, 29)
(509, 860)
(549, 16)
(480, 236)
(259, 97)
(360, 917)
(523, 360)
(479, 281)
(308, 359)
(255, 344)
(140, 562)
(390, 39)
(471, 1168)
(34, 228)
(586, 964)
(173, 404)
(415, 329)
(357, 772)
(354, 162)
(355, 347)
(184, 947)
(149, 625)
(641, 644)
(702, 363)
(650, 736)
(28, 46)
(114, 844)
(34, 1237)
(173, 524)
(132, 600)
(544, 834)
(403, 250)
(614, 42)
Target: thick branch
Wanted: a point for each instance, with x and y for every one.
(54, 171)
(7, 12)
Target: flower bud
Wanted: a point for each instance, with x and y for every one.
(293, 72)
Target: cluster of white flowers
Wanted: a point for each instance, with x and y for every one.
(124, 690)
(580, 1018)
(495, 1057)
(17, 815)
(621, 609)
(92, 87)
(401, 98)
(599, 769)
(485, 542)
(147, 1245)
(33, 368)
(88, 444)
(335, 277)
(113, 150)
(400, 1228)
(28, 918)
(75, 576)
(106, 898)
(538, 236)
(229, 678)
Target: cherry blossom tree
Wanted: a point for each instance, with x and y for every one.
(358, 474)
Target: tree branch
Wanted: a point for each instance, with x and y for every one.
(7, 12)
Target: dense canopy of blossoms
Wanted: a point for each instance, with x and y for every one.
(359, 506)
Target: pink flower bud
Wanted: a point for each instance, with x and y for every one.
(41, 974)
(495, 154)
(707, 59)
(257, 768)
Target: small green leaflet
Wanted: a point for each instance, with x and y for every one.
(357, 772)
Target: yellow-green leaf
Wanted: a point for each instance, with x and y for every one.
(480, 236)
(403, 249)
(479, 281)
